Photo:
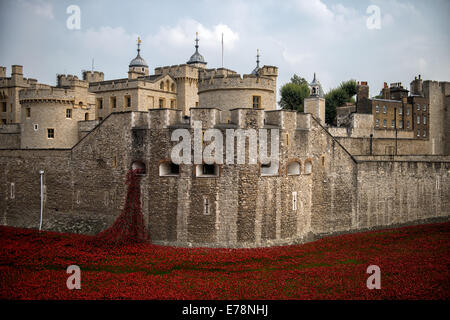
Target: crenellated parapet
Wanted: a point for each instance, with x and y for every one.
(53, 95)
(178, 71)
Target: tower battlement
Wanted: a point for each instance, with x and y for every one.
(70, 80)
(178, 71)
(52, 94)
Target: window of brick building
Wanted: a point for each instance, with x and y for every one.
(384, 109)
(424, 133)
(418, 119)
(418, 107)
(424, 107)
(407, 111)
(400, 110)
(50, 133)
(256, 101)
(377, 108)
(385, 123)
(418, 132)
(400, 124)
(377, 123)
(407, 124)
(424, 120)
(393, 124)
(69, 113)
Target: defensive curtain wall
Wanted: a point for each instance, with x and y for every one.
(318, 188)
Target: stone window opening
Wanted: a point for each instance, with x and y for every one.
(377, 109)
(161, 103)
(268, 169)
(323, 161)
(207, 170)
(294, 201)
(80, 104)
(308, 166)
(35, 127)
(139, 165)
(418, 107)
(424, 120)
(385, 123)
(256, 101)
(400, 111)
(127, 101)
(418, 119)
(161, 85)
(86, 116)
(167, 85)
(424, 107)
(113, 102)
(384, 109)
(418, 132)
(13, 190)
(424, 133)
(207, 206)
(172, 87)
(50, 133)
(100, 103)
(172, 103)
(293, 168)
(169, 169)
(28, 112)
(407, 111)
(68, 113)
(377, 123)
(3, 106)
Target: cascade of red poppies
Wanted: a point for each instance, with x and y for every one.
(129, 226)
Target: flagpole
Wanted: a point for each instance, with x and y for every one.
(222, 49)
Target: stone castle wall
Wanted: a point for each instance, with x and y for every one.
(85, 185)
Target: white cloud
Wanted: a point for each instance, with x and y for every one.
(39, 7)
(183, 34)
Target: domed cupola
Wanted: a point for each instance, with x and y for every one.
(138, 66)
(197, 59)
(316, 88)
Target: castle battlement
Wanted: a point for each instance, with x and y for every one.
(178, 71)
(70, 80)
(236, 81)
(52, 95)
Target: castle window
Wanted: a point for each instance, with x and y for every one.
(3, 121)
(86, 116)
(377, 109)
(100, 103)
(139, 165)
(35, 127)
(3, 106)
(207, 170)
(323, 161)
(424, 120)
(294, 201)
(80, 104)
(267, 169)
(13, 190)
(161, 85)
(256, 101)
(69, 113)
(161, 103)
(169, 169)
(142, 69)
(418, 119)
(28, 112)
(196, 103)
(167, 85)
(384, 109)
(308, 167)
(172, 103)
(385, 123)
(50, 133)
(127, 101)
(293, 168)
(400, 110)
(206, 205)
(113, 102)
(172, 87)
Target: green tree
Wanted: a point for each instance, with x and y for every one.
(294, 93)
(337, 97)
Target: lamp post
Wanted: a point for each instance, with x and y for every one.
(41, 172)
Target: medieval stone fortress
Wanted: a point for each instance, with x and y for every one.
(385, 163)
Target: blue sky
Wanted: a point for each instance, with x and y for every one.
(330, 38)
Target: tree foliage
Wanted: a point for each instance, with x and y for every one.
(337, 97)
(294, 93)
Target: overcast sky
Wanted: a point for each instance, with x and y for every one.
(330, 38)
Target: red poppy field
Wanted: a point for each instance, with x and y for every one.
(414, 263)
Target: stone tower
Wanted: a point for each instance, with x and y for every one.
(138, 67)
(315, 103)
